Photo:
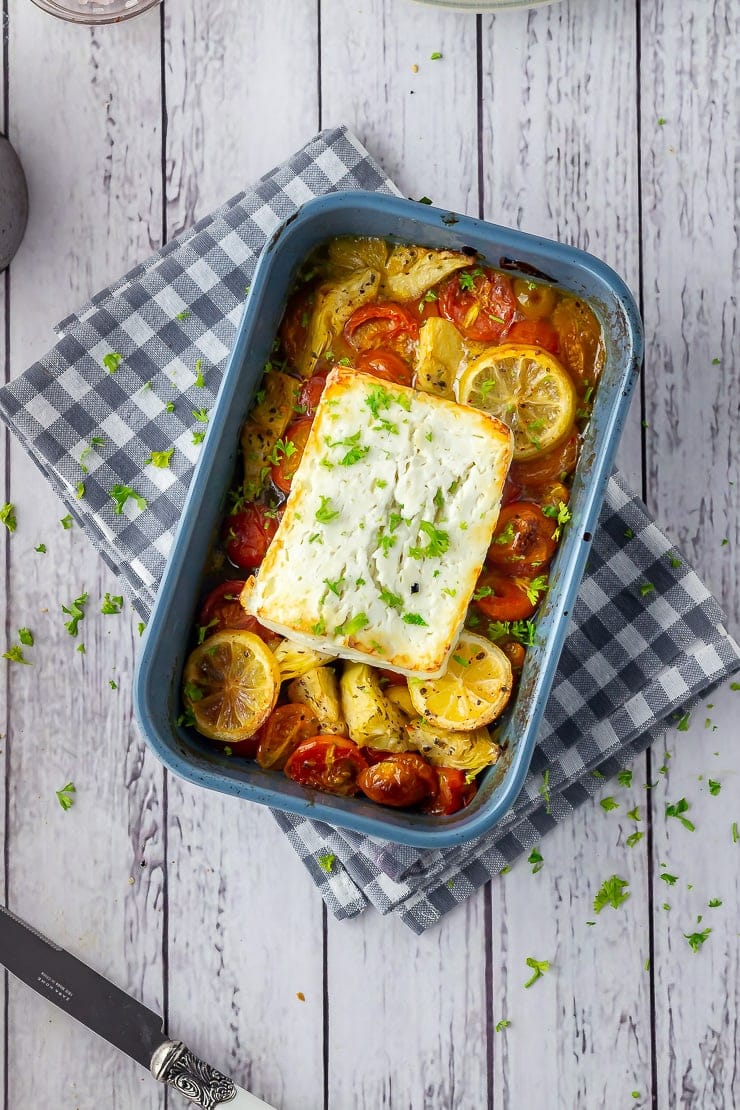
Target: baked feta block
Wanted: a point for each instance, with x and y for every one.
(388, 521)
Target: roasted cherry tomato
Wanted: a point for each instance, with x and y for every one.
(541, 470)
(296, 434)
(385, 364)
(375, 755)
(372, 325)
(516, 653)
(507, 600)
(537, 333)
(512, 491)
(580, 339)
(247, 535)
(294, 327)
(222, 609)
(330, 763)
(523, 542)
(403, 779)
(426, 306)
(285, 728)
(454, 792)
(311, 391)
(479, 302)
(533, 300)
(392, 677)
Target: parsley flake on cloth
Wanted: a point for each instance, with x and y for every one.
(121, 494)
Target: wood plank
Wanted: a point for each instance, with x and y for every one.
(245, 922)
(94, 179)
(552, 167)
(422, 1019)
(689, 81)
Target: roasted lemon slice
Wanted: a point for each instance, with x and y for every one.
(474, 690)
(528, 389)
(231, 683)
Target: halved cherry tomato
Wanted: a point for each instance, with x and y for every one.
(285, 728)
(247, 535)
(403, 779)
(311, 391)
(330, 763)
(537, 333)
(507, 600)
(297, 434)
(523, 541)
(479, 302)
(533, 300)
(385, 364)
(541, 470)
(426, 306)
(453, 792)
(222, 609)
(374, 324)
(294, 327)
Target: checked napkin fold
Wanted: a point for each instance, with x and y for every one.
(631, 660)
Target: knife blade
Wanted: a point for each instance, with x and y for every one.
(111, 1013)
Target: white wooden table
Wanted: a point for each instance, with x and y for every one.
(607, 123)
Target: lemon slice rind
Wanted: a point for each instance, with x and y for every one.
(238, 679)
(474, 690)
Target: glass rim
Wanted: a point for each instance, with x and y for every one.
(111, 15)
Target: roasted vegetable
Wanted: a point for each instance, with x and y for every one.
(295, 660)
(276, 401)
(467, 751)
(401, 698)
(411, 271)
(353, 253)
(257, 446)
(371, 718)
(332, 307)
(438, 356)
(318, 690)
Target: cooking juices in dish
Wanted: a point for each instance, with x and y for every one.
(385, 636)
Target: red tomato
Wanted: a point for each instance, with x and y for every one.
(453, 792)
(392, 677)
(247, 535)
(580, 339)
(311, 391)
(546, 468)
(222, 609)
(285, 728)
(374, 324)
(330, 763)
(479, 302)
(537, 333)
(511, 491)
(507, 600)
(400, 780)
(385, 364)
(297, 434)
(294, 326)
(426, 306)
(523, 541)
(375, 755)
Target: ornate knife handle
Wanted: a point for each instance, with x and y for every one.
(178, 1067)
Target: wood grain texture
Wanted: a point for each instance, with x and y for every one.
(245, 924)
(407, 1015)
(689, 82)
(550, 78)
(70, 871)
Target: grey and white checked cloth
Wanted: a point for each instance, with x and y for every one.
(136, 370)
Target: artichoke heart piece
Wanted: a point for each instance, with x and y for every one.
(295, 660)
(318, 690)
(411, 271)
(401, 698)
(467, 751)
(439, 357)
(358, 253)
(276, 404)
(372, 719)
(257, 446)
(333, 305)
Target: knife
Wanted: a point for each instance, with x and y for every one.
(109, 1012)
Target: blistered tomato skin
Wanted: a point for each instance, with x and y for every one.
(536, 333)
(454, 792)
(507, 599)
(400, 780)
(386, 365)
(285, 728)
(480, 303)
(524, 540)
(296, 435)
(330, 763)
(247, 535)
(544, 469)
(580, 339)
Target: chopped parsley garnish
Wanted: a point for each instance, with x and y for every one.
(66, 522)
(537, 861)
(324, 513)
(112, 604)
(697, 939)
(634, 814)
(714, 902)
(438, 499)
(678, 809)
(192, 692)
(112, 361)
(25, 635)
(539, 967)
(612, 892)
(201, 415)
(15, 654)
(319, 628)
(461, 661)
(283, 448)
(202, 629)
(200, 381)
(521, 631)
(183, 315)
(170, 406)
(683, 724)
(80, 490)
(561, 514)
(391, 599)
(385, 543)
(336, 586)
(670, 879)
(113, 684)
(326, 862)
(198, 437)
(503, 1024)
(634, 838)
(76, 612)
(7, 517)
(160, 459)
(466, 282)
(624, 778)
(41, 548)
(140, 627)
(64, 796)
(352, 625)
(535, 587)
(121, 494)
(438, 545)
(734, 832)
(414, 618)
(646, 588)
(714, 787)
(482, 591)
(508, 535)
(435, 56)
(544, 790)
(608, 804)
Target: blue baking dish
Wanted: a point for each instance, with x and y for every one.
(158, 679)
